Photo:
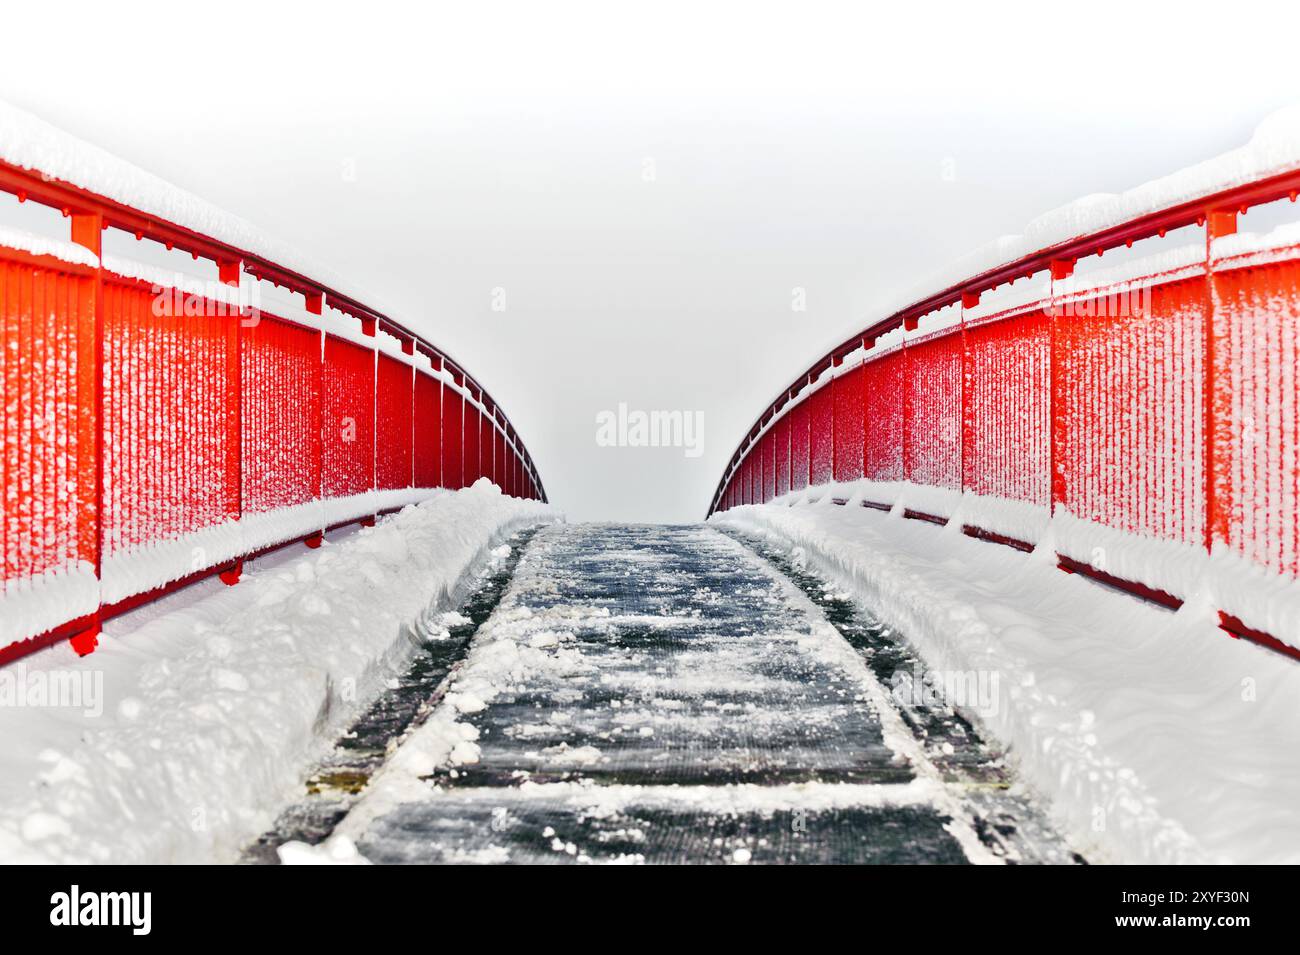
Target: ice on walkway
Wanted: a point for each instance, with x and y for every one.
(661, 694)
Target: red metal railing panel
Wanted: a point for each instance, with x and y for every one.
(470, 455)
(46, 318)
(849, 410)
(170, 455)
(485, 446)
(498, 459)
(800, 457)
(428, 430)
(1132, 414)
(821, 434)
(453, 417)
(280, 411)
(1257, 317)
(782, 438)
(348, 417)
(932, 444)
(1008, 425)
(882, 401)
(769, 466)
(394, 406)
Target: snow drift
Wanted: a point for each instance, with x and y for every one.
(215, 701)
(1157, 737)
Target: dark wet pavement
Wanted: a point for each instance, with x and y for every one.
(669, 694)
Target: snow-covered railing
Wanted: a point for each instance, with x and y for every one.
(156, 430)
(1143, 423)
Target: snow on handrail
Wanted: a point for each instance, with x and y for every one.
(139, 458)
(40, 162)
(1265, 169)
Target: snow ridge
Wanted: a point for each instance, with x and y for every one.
(211, 710)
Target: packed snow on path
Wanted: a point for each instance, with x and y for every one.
(1158, 737)
(196, 717)
(660, 694)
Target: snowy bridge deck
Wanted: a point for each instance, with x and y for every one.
(1136, 423)
(665, 694)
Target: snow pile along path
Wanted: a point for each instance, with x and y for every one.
(1158, 737)
(196, 718)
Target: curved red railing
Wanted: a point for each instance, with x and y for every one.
(153, 435)
(1151, 423)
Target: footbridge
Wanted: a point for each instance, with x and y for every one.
(865, 653)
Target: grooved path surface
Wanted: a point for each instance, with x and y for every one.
(665, 694)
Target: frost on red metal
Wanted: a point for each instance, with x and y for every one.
(848, 425)
(140, 433)
(769, 466)
(932, 392)
(47, 358)
(1172, 415)
(348, 414)
(821, 434)
(781, 437)
(1131, 392)
(280, 415)
(170, 418)
(1007, 429)
(1256, 432)
(800, 459)
(883, 389)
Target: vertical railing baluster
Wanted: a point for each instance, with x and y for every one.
(1218, 223)
(88, 231)
(1059, 269)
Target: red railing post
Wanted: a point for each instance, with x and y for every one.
(1218, 223)
(374, 430)
(229, 270)
(234, 417)
(410, 432)
(907, 413)
(87, 231)
(318, 448)
(967, 425)
(1056, 445)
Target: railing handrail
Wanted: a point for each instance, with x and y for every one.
(1225, 194)
(78, 199)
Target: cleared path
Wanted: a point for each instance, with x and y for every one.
(667, 694)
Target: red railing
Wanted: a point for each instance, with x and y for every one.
(153, 436)
(1152, 423)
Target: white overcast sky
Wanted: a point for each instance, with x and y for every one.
(504, 146)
